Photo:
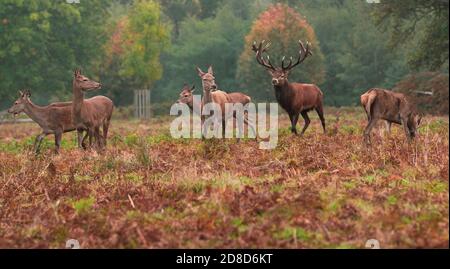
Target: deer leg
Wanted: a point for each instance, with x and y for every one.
(105, 131)
(80, 139)
(91, 135)
(98, 137)
(294, 120)
(249, 124)
(388, 126)
(58, 136)
(369, 127)
(83, 143)
(307, 121)
(406, 129)
(319, 111)
(224, 122)
(37, 142)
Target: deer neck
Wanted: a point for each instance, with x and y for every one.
(78, 99)
(36, 113)
(207, 98)
(283, 94)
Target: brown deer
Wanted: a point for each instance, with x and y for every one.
(90, 114)
(186, 97)
(393, 108)
(294, 98)
(54, 119)
(211, 93)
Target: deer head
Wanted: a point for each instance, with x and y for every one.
(186, 95)
(84, 83)
(208, 79)
(414, 123)
(280, 74)
(19, 104)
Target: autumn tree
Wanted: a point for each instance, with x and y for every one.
(284, 27)
(145, 36)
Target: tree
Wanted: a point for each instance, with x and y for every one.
(145, 36)
(405, 19)
(41, 42)
(213, 41)
(178, 10)
(283, 26)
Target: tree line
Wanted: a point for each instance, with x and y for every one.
(137, 44)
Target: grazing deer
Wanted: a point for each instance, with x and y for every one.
(294, 98)
(54, 119)
(392, 107)
(90, 114)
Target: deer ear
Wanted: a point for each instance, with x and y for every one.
(200, 72)
(210, 70)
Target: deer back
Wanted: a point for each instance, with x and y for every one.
(239, 98)
(220, 98)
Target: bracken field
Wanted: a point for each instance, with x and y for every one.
(148, 190)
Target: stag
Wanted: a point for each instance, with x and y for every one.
(393, 108)
(90, 114)
(54, 119)
(294, 98)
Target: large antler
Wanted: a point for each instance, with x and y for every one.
(303, 54)
(259, 50)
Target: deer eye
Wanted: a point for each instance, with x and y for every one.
(16, 103)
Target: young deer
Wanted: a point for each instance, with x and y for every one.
(294, 98)
(90, 114)
(393, 108)
(54, 119)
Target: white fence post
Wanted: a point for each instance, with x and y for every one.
(142, 104)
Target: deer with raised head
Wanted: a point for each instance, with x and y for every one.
(186, 97)
(54, 119)
(294, 98)
(393, 107)
(90, 114)
(212, 94)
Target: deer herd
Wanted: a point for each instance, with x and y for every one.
(88, 116)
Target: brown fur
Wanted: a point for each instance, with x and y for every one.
(211, 94)
(392, 107)
(93, 113)
(295, 98)
(54, 119)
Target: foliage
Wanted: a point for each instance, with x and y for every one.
(41, 42)
(321, 191)
(356, 54)
(403, 19)
(144, 37)
(415, 85)
(203, 43)
(125, 44)
(284, 27)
